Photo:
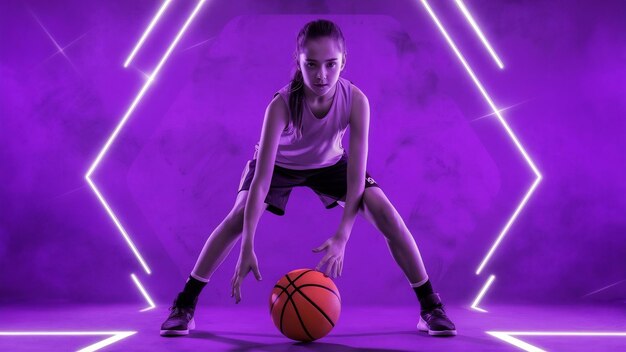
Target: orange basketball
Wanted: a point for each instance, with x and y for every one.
(305, 305)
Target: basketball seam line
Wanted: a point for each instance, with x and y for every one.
(314, 305)
(324, 287)
(289, 299)
(312, 285)
(285, 289)
(282, 313)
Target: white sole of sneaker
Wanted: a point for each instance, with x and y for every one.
(192, 325)
(421, 326)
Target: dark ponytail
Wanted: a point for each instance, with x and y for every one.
(296, 100)
(312, 30)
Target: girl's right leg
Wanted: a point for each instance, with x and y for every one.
(221, 241)
(217, 247)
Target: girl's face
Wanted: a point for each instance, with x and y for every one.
(321, 61)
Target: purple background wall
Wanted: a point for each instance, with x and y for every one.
(452, 173)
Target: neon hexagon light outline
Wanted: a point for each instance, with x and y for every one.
(449, 40)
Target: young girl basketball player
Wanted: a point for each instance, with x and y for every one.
(300, 145)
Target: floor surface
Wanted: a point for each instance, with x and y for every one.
(241, 328)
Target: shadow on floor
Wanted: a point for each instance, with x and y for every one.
(244, 345)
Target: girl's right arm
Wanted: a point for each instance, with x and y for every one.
(276, 119)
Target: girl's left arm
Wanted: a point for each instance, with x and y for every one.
(357, 161)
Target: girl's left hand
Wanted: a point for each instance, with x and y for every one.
(333, 259)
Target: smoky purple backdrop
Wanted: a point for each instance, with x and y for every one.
(446, 164)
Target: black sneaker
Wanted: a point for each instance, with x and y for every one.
(433, 318)
(180, 320)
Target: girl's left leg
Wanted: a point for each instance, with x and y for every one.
(379, 211)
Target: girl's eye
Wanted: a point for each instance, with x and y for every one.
(332, 64)
(310, 64)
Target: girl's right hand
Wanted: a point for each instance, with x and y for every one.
(247, 262)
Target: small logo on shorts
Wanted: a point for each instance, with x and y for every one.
(370, 180)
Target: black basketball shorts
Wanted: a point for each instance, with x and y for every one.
(330, 183)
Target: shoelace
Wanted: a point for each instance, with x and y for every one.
(436, 313)
(178, 312)
(436, 310)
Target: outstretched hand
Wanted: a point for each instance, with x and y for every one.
(247, 262)
(334, 247)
